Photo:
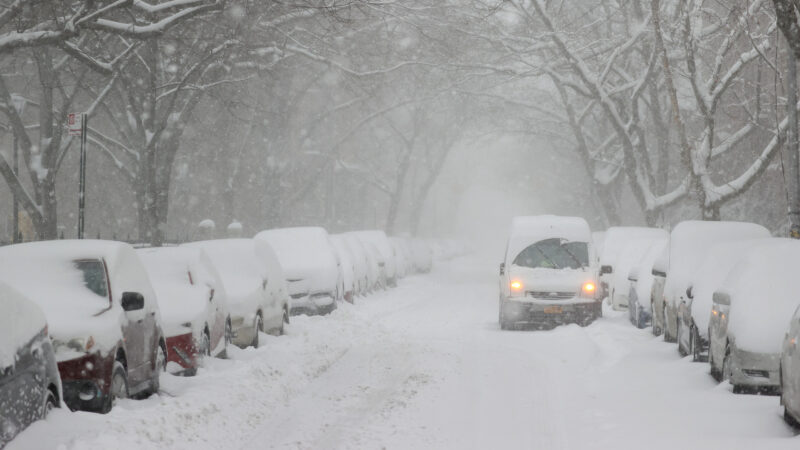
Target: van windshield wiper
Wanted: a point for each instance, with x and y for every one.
(572, 255)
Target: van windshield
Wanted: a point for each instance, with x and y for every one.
(554, 253)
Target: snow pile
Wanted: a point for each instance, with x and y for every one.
(20, 321)
(690, 241)
(763, 292)
(711, 274)
(304, 253)
(527, 230)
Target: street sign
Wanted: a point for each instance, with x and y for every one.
(74, 124)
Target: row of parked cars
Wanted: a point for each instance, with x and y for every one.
(725, 292)
(87, 322)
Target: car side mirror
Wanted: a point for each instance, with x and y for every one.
(502, 268)
(605, 270)
(722, 298)
(132, 301)
(689, 293)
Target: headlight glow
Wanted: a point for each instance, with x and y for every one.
(516, 285)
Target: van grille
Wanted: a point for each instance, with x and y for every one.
(545, 295)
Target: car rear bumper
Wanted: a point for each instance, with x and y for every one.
(551, 313)
(313, 305)
(182, 355)
(86, 380)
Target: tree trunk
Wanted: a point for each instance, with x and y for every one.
(792, 168)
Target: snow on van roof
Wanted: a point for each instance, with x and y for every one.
(46, 273)
(20, 321)
(617, 237)
(711, 273)
(526, 230)
(763, 294)
(691, 240)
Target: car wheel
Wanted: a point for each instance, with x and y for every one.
(695, 346)
(160, 366)
(228, 332)
(258, 327)
(119, 385)
(50, 403)
(205, 348)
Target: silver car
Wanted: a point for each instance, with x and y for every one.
(790, 372)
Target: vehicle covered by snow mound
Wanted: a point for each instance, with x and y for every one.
(613, 243)
(102, 316)
(385, 254)
(29, 380)
(309, 265)
(545, 277)
(347, 265)
(642, 278)
(193, 304)
(751, 314)
(708, 278)
(630, 254)
(254, 286)
(690, 241)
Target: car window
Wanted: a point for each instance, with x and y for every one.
(554, 253)
(94, 275)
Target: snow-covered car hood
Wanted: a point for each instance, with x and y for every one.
(550, 280)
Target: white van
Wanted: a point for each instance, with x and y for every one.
(545, 277)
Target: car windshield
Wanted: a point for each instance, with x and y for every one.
(94, 276)
(554, 253)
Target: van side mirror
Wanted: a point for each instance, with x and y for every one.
(502, 268)
(689, 293)
(605, 270)
(132, 301)
(722, 298)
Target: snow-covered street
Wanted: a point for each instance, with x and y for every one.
(426, 366)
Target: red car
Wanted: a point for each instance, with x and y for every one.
(102, 314)
(193, 304)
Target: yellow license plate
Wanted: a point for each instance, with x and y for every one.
(553, 310)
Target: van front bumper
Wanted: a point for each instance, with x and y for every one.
(551, 313)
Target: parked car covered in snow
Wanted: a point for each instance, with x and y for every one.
(361, 263)
(102, 315)
(383, 252)
(659, 272)
(751, 314)
(689, 242)
(643, 287)
(695, 312)
(790, 372)
(29, 382)
(193, 304)
(254, 286)
(347, 267)
(630, 254)
(614, 242)
(545, 277)
(402, 256)
(309, 265)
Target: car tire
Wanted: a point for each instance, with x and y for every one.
(160, 367)
(205, 348)
(790, 419)
(50, 403)
(726, 368)
(119, 386)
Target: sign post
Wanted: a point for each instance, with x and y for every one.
(78, 125)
